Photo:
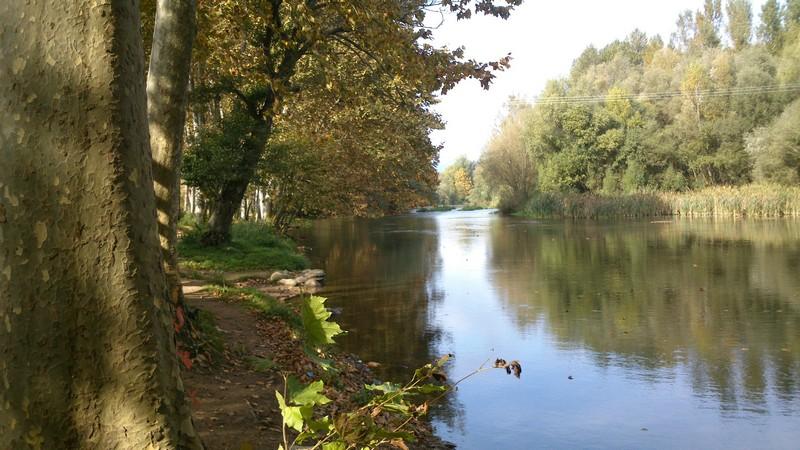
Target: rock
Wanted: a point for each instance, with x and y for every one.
(314, 273)
(312, 283)
(289, 282)
(279, 275)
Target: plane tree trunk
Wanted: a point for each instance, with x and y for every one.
(167, 92)
(87, 356)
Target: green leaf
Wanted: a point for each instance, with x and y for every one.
(338, 445)
(306, 395)
(319, 331)
(386, 387)
(292, 415)
(323, 363)
(386, 434)
(431, 388)
(399, 408)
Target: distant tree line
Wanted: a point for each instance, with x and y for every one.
(716, 105)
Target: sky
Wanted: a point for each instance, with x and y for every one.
(543, 37)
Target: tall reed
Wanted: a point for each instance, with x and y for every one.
(755, 200)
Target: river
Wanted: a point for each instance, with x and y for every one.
(683, 334)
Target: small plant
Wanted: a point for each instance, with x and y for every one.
(385, 411)
(381, 420)
(261, 364)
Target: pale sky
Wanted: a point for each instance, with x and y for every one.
(544, 37)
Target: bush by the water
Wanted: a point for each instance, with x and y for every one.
(435, 209)
(758, 200)
(252, 246)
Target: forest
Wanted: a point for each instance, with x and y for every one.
(714, 104)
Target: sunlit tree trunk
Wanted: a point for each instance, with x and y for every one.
(87, 358)
(167, 92)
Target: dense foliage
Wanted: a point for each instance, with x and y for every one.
(714, 106)
(455, 182)
(324, 106)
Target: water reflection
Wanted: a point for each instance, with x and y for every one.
(720, 299)
(682, 334)
(383, 282)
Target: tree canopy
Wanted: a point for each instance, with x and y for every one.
(635, 115)
(349, 82)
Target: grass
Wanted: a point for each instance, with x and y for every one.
(594, 206)
(212, 340)
(258, 301)
(755, 200)
(253, 246)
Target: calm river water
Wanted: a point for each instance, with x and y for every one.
(675, 335)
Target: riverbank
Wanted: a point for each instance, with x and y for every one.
(248, 336)
(757, 200)
(257, 340)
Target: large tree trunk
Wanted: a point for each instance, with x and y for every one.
(87, 358)
(167, 91)
(226, 205)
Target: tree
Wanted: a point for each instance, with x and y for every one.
(775, 149)
(506, 167)
(684, 36)
(770, 30)
(354, 144)
(789, 62)
(88, 358)
(792, 13)
(255, 48)
(167, 94)
(708, 22)
(740, 22)
(455, 182)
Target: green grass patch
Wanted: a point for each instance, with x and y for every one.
(258, 301)
(253, 246)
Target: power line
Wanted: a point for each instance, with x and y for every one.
(664, 95)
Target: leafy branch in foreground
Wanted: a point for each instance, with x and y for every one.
(318, 330)
(381, 420)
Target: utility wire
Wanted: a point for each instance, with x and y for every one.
(665, 95)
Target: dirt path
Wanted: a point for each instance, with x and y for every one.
(234, 405)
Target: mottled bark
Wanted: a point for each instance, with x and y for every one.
(167, 92)
(87, 358)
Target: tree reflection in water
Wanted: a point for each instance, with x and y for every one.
(720, 298)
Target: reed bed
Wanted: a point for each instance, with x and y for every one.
(755, 200)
